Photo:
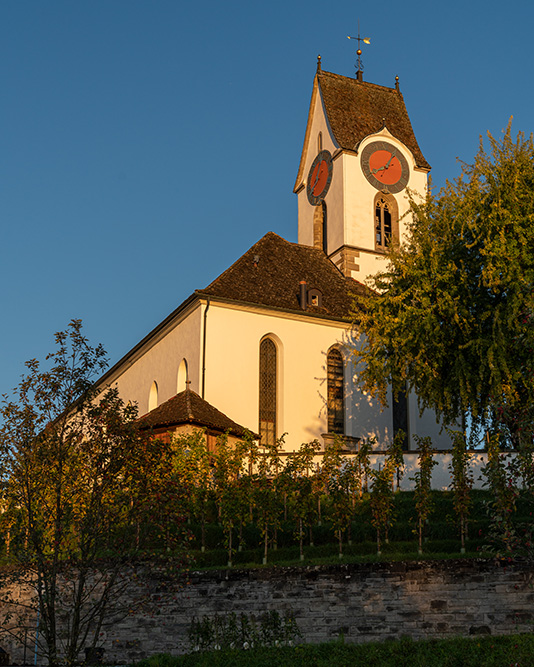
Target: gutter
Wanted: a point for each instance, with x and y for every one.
(204, 330)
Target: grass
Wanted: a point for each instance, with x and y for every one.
(327, 554)
(514, 650)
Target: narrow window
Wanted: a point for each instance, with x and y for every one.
(335, 391)
(319, 142)
(386, 221)
(153, 397)
(182, 376)
(267, 392)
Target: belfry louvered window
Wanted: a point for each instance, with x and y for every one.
(267, 392)
(386, 220)
(335, 389)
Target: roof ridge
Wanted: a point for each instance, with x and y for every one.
(360, 83)
(188, 408)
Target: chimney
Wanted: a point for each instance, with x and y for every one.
(303, 294)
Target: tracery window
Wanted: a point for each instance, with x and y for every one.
(335, 392)
(386, 220)
(267, 407)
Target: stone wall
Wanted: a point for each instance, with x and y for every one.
(363, 602)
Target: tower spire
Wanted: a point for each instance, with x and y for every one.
(359, 64)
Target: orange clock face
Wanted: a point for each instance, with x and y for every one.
(319, 178)
(385, 167)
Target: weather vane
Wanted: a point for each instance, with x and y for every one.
(365, 40)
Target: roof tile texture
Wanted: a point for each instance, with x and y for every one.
(270, 273)
(188, 407)
(356, 109)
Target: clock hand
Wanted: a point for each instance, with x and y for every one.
(391, 158)
(316, 178)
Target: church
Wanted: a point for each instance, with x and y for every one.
(266, 347)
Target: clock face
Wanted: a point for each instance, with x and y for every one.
(385, 167)
(319, 178)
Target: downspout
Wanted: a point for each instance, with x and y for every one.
(204, 346)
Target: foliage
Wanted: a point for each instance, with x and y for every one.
(69, 474)
(461, 482)
(298, 486)
(242, 632)
(192, 467)
(453, 317)
(466, 651)
(266, 498)
(423, 484)
(382, 499)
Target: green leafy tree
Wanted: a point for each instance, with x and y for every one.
(66, 462)
(452, 315)
(382, 499)
(266, 500)
(504, 490)
(339, 477)
(298, 477)
(232, 494)
(194, 473)
(461, 482)
(423, 484)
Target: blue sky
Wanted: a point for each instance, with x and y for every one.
(145, 145)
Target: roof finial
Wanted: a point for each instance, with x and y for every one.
(359, 64)
(319, 63)
(397, 84)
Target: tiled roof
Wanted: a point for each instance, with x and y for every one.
(188, 408)
(269, 274)
(356, 109)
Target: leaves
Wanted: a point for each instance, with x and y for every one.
(452, 314)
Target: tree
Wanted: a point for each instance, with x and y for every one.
(452, 314)
(66, 464)
(423, 484)
(462, 481)
(382, 500)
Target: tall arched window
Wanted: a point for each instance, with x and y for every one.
(386, 220)
(335, 392)
(267, 407)
(153, 397)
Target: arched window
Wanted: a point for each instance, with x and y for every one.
(267, 407)
(386, 220)
(319, 142)
(320, 230)
(153, 397)
(335, 392)
(182, 376)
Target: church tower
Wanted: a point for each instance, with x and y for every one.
(360, 155)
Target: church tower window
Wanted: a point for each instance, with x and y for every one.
(267, 407)
(335, 392)
(386, 220)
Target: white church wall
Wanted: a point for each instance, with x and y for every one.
(441, 475)
(333, 201)
(232, 360)
(159, 361)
